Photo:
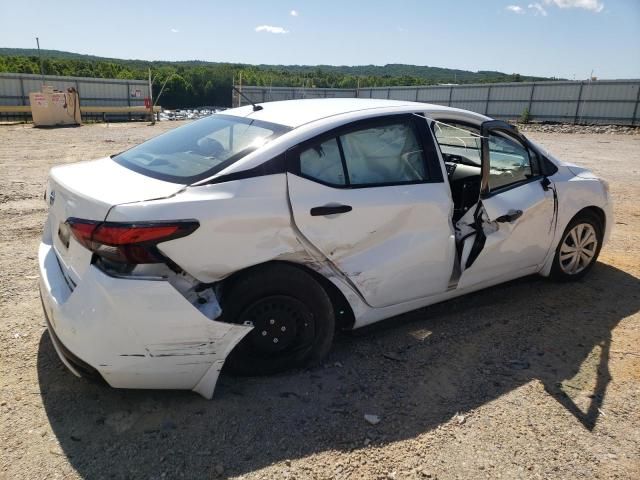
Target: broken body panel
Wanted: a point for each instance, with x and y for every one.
(107, 323)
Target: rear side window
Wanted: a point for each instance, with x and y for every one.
(388, 154)
(323, 162)
(199, 149)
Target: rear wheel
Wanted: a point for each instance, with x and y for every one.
(579, 247)
(292, 317)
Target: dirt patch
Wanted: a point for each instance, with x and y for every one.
(530, 379)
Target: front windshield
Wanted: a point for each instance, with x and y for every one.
(200, 149)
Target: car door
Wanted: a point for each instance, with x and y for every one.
(516, 212)
(371, 198)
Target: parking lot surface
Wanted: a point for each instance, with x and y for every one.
(531, 379)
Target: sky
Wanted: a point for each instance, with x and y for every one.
(561, 38)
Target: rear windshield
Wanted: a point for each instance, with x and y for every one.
(200, 149)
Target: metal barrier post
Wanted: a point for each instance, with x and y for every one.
(533, 88)
(22, 99)
(575, 117)
(79, 97)
(635, 109)
(486, 105)
(129, 98)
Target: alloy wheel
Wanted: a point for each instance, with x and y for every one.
(578, 248)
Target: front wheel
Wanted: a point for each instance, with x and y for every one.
(579, 248)
(292, 318)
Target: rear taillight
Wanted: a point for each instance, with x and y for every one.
(131, 243)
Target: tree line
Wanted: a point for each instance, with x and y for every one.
(196, 83)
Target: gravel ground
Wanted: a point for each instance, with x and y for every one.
(582, 129)
(531, 379)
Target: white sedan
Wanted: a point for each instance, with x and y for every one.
(248, 237)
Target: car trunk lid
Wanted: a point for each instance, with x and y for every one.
(88, 190)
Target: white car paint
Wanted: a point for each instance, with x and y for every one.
(248, 220)
(519, 246)
(397, 254)
(407, 220)
(88, 190)
(574, 192)
(104, 322)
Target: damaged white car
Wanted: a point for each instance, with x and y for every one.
(248, 237)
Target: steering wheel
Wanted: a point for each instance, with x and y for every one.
(210, 147)
(146, 156)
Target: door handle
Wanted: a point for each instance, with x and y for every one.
(512, 216)
(330, 210)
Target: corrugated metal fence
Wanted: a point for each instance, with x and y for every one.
(601, 101)
(94, 92)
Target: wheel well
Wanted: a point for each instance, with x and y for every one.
(597, 212)
(342, 309)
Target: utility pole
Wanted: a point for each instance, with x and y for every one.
(240, 89)
(153, 117)
(40, 57)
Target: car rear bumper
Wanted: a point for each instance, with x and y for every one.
(77, 366)
(133, 333)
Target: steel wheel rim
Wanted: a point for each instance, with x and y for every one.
(281, 324)
(578, 249)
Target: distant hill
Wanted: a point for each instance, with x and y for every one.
(33, 52)
(196, 82)
(431, 74)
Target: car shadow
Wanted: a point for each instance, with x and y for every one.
(415, 372)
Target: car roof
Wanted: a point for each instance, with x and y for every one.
(295, 113)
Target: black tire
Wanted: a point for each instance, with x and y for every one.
(292, 315)
(558, 271)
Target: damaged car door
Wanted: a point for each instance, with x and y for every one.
(371, 198)
(513, 223)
